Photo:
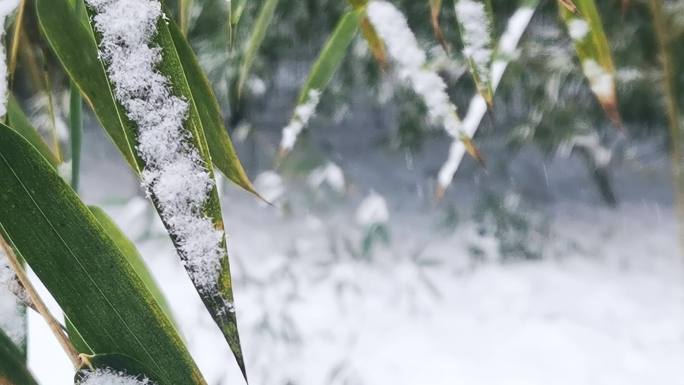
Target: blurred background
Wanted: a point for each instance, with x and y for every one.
(559, 262)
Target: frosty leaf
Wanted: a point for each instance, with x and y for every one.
(81, 266)
(334, 50)
(475, 24)
(13, 370)
(256, 38)
(586, 31)
(115, 369)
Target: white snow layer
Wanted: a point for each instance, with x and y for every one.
(12, 321)
(508, 43)
(174, 174)
(476, 30)
(110, 377)
(578, 29)
(410, 59)
(6, 8)
(372, 210)
(303, 113)
(600, 80)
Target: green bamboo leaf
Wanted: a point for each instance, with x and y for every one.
(235, 9)
(117, 364)
(474, 19)
(130, 251)
(21, 124)
(13, 370)
(254, 43)
(330, 58)
(74, 44)
(79, 263)
(586, 31)
(221, 148)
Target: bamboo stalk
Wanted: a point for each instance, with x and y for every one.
(53, 324)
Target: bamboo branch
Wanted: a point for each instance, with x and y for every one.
(53, 324)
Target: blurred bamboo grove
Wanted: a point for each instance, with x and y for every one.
(454, 86)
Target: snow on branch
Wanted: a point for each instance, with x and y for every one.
(410, 59)
(303, 113)
(477, 42)
(110, 377)
(508, 43)
(174, 174)
(6, 8)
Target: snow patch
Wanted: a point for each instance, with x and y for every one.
(175, 174)
(330, 174)
(6, 8)
(111, 377)
(403, 47)
(372, 210)
(600, 80)
(12, 321)
(578, 29)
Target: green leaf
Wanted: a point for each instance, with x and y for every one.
(334, 50)
(222, 151)
(13, 370)
(118, 363)
(257, 36)
(21, 124)
(82, 267)
(235, 9)
(74, 44)
(586, 31)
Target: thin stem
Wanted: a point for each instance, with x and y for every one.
(54, 325)
(76, 130)
(51, 111)
(662, 36)
(16, 37)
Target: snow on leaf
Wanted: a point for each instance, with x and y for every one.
(6, 8)
(410, 60)
(12, 297)
(111, 377)
(303, 113)
(476, 30)
(174, 174)
(372, 210)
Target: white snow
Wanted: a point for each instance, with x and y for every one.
(303, 113)
(6, 8)
(330, 174)
(270, 186)
(111, 377)
(410, 59)
(12, 321)
(476, 30)
(372, 210)
(508, 43)
(600, 80)
(174, 174)
(578, 29)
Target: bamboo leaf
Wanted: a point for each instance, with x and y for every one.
(375, 43)
(254, 43)
(235, 9)
(79, 263)
(13, 370)
(221, 148)
(586, 31)
(435, 11)
(117, 364)
(130, 251)
(21, 124)
(474, 19)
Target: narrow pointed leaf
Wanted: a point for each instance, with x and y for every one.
(586, 31)
(131, 253)
(81, 266)
(119, 364)
(13, 370)
(235, 9)
(257, 36)
(21, 124)
(375, 43)
(435, 11)
(221, 148)
(475, 23)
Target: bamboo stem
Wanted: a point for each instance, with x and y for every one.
(54, 325)
(677, 157)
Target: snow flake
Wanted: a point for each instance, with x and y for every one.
(600, 80)
(303, 113)
(174, 174)
(578, 29)
(110, 377)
